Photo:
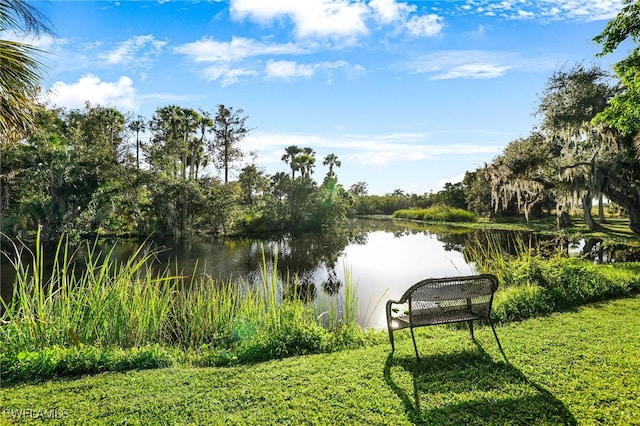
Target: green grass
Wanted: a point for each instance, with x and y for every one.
(615, 229)
(127, 305)
(576, 367)
(436, 214)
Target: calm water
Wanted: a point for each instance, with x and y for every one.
(384, 259)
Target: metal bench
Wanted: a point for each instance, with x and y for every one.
(444, 301)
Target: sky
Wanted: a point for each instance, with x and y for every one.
(408, 94)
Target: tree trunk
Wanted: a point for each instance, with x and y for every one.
(601, 217)
(564, 220)
(634, 218)
(587, 204)
(626, 194)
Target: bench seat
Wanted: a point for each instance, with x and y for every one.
(434, 317)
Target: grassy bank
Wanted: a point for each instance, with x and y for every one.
(615, 229)
(436, 214)
(577, 367)
(114, 316)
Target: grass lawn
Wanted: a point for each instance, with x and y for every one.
(579, 367)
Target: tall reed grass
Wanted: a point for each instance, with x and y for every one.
(493, 252)
(127, 304)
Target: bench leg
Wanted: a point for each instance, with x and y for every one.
(393, 348)
(498, 340)
(471, 329)
(415, 347)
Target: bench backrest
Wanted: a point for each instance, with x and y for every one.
(475, 292)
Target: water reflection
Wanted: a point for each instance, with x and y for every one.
(384, 258)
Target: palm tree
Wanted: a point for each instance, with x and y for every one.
(137, 125)
(306, 161)
(190, 123)
(20, 69)
(289, 157)
(332, 161)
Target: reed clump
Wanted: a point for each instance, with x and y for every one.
(109, 304)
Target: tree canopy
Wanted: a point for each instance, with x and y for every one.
(20, 69)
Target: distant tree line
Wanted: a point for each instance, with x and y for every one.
(87, 171)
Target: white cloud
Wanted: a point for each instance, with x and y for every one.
(388, 11)
(311, 18)
(449, 64)
(546, 10)
(136, 50)
(425, 25)
(227, 75)
(341, 20)
(473, 70)
(523, 14)
(120, 94)
(239, 48)
(291, 69)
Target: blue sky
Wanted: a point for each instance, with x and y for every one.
(408, 95)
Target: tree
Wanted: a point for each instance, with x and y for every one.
(20, 69)
(289, 157)
(306, 161)
(229, 130)
(253, 183)
(68, 174)
(452, 195)
(137, 125)
(477, 192)
(332, 161)
(570, 101)
(198, 158)
(623, 112)
(524, 171)
(359, 189)
(176, 144)
(166, 128)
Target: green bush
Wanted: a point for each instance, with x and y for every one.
(533, 286)
(436, 214)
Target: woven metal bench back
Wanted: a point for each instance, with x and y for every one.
(473, 293)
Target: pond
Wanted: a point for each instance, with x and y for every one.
(384, 258)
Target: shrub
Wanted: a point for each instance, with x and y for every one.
(436, 214)
(535, 286)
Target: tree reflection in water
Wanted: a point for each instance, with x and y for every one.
(383, 254)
